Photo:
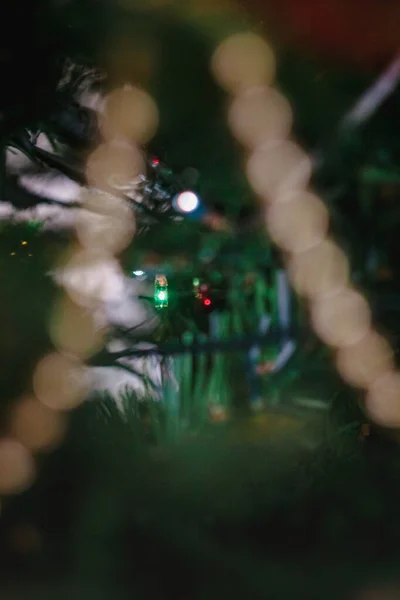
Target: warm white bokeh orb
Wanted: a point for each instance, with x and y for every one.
(74, 329)
(323, 269)
(104, 204)
(260, 115)
(114, 165)
(242, 61)
(131, 113)
(277, 169)
(365, 361)
(90, 277)
(383, 400)
(17, 467)
(299, 223)
(341, 319)
(111, 233)
(61, 383)
(36, 426)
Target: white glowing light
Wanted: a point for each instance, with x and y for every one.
(187, 202)
(138, 273)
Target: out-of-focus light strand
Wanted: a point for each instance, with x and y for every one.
(297, 221)
(106, 227)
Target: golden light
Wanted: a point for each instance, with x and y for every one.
(90, 277)
(299, 223)
(114, 165)
(365, 361)
(61, 383)
(131, 113)
(73, 329)
(17, 468)
(341, 319)
(277, 169)
(108, 225)
(36, 426)
(322, 269)
(318, 269)
(260, 115)
(243, 61)
(105, 204)
(383, 400)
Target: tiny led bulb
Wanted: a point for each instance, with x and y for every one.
(186, 202)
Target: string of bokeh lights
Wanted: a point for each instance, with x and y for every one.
(105, 226)
(279, 172)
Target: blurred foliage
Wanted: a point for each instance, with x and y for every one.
(271, 517)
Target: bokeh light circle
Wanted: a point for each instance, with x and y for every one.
(321, 270)
(299, 223)
(365, 361)
(131, 113)
(17, 467)
(90, 277)
(35, 425)
(187, 202)
(113, 167)
(341, 319)
(60, 382)
(260, 115)
(74, 329)
(383, 400)
(112, 233)
(243, 61)
(104, 204)
(277, 169)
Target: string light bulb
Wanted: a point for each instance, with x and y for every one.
(160, 292)
(186, 202)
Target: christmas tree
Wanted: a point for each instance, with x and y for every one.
(191, 433)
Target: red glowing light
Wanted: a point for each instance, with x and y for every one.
(207, 302)
(155, 162)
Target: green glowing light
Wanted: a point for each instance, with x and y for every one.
(161, 296)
